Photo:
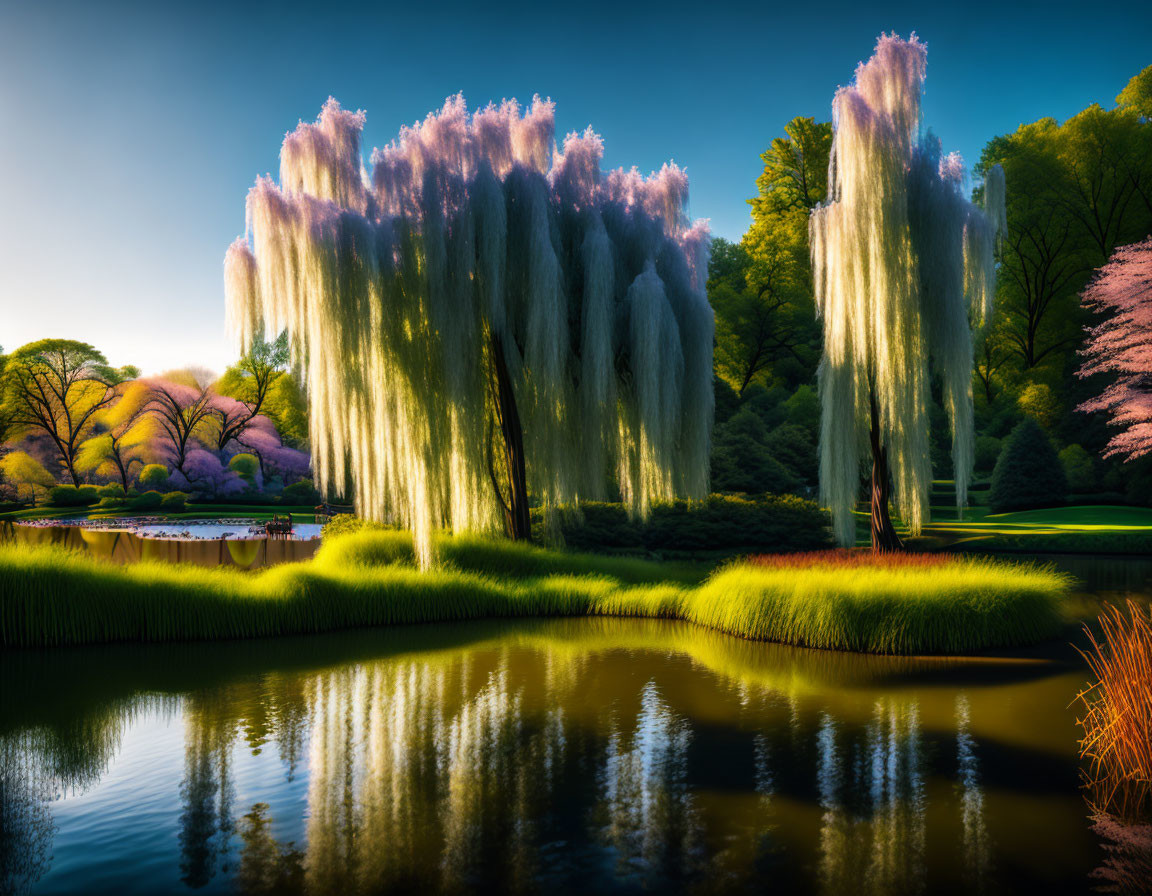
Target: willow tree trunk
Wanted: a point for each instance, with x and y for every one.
(517, 521)
(884, 537)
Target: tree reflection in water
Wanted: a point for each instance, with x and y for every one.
(561, 756)
(872, 795)
(649, 819)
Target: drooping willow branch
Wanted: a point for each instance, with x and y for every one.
(479, 277)
(903, 267)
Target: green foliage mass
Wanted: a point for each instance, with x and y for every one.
(150, 500)
(50, 597)
(765, 441)
(153, 476)
(1079, 471)
(987, 453)
(761, 287)
(1029, 473)
(73, 496)
(1137, 95)
(258, 380)
(741, 460)
(300, 493)
(349, 524)
(726, 524)
(174, 502)
(246, 466)
(1039, 401)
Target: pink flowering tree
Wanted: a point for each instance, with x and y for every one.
(182, 413)
(1121, 347)
(187, 438)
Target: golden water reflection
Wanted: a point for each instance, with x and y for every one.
(612, 754)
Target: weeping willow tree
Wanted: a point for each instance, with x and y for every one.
(483, 317)
(904, 267)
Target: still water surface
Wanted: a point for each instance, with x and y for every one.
(565, 756)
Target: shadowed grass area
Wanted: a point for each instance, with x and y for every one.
(52, 597)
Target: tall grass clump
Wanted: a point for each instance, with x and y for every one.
(1117, 724)
(896, 603)
(53, 597)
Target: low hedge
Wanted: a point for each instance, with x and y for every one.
(71, 496)
(174, 502)
(150, 500)
(721, 523)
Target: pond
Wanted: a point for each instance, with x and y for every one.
(220, 542)
(214, 529)
(590, 755)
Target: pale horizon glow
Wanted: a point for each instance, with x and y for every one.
(130, 129)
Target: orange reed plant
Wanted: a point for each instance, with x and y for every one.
(1117, 740)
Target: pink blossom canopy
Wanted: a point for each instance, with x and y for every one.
(1121, 346)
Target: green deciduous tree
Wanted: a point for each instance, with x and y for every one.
(250, 383)
(27, 475)
(1136, 96)
(1076, 191)
(1045, 254)
(124, 430)
(58, 387)
(761, 288)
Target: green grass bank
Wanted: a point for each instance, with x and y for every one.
(50, 597)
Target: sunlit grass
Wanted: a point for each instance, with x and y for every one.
(1118, 721)
(54, 597)
(895, 605)
(1073, 529)
(487, 556)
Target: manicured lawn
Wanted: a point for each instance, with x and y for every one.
(1088, 518)
(1070, 529)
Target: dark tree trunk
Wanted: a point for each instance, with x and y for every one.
(517, 521)
(123, 471)
(884, 537)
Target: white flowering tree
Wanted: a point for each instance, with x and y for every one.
(904, 266)
(482, 317)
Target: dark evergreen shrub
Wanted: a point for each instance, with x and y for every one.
(1028, 473)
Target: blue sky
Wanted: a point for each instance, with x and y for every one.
(130, 133)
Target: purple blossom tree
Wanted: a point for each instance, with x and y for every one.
(203, 472)
(261, 439)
